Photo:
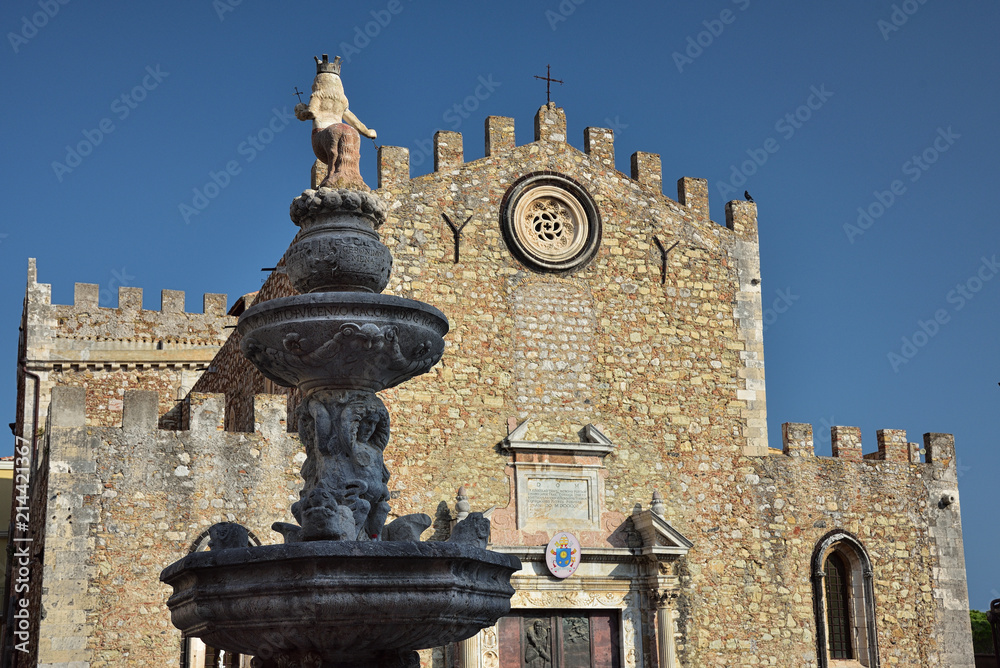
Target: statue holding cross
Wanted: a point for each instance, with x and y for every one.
(335, 137)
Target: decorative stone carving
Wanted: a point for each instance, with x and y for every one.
(345, 496)
(550, 223)
(473, 530)
(407, 527)
(225, 535)
(338, 248)
(378, 341)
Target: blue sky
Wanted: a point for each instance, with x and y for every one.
(866, 131)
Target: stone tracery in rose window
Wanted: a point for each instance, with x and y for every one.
(552, 224)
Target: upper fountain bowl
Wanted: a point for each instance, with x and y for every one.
(342, 340)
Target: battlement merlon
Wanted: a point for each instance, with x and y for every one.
(140, 411)
(797, 441)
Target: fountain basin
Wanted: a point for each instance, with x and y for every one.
(342, 340)
(341, 601)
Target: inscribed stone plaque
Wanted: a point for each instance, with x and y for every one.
(551, 497)
(559, 498)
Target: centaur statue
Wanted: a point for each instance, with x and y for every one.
(335, 137)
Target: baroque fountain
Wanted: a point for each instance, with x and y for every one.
(345, 589)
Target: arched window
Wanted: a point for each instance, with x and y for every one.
(844, 603)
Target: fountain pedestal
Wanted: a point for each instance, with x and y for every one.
(344, 590)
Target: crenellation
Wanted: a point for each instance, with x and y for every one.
(270, 413)
(846, 442)
(393, 166)
(693, 193)
(214, 304)
(172, 301)
(647, 170)
(130, 299)
(448, 151)
(797, 439)
(599, 144)
(86, 295)
(550, 123)
(499, 134)
(206, 412)
(892, 445)
(140, 410)
(940, 449)
(741, 217)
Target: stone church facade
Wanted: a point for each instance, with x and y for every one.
(603, 375)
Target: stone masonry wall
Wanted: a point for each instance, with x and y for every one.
(125, 502)
(110, 351)
(668, 362)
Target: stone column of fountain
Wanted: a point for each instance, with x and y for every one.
(344, 590)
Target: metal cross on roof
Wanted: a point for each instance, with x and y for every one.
(548, 83)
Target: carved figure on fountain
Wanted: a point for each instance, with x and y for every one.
(345, 433)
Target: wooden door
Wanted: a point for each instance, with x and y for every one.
(560, 639)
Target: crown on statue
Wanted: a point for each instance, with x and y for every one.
(326, 66)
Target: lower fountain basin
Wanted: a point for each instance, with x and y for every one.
(335, 340)
(341, 602)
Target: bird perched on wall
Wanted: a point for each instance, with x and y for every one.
(746, 193)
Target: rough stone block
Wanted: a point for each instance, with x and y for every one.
(693, 193)
(499, 134)
(892, 445)
(86, 295)
(741, 217)
(393, 166)
(846, 442)
(68, 407)
(208, 412)
(130, 299)
(171, 301)
(270, 414)
(214, 304)
(448, 151)
(797, 439)
(550, 123)
(646, 169)
(140, 409)
(940, 449)
(599, 144)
